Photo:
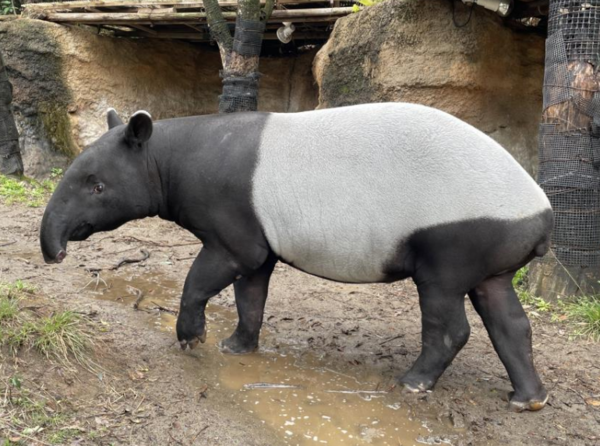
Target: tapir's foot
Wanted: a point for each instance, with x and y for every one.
(193, 343)
(190, 331)
(415, 384)
(517, 404)
(238, 345)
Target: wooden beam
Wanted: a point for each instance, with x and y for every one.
(145, 29)
(160, 16)
(194, 27)
(146, 4)
(205, 37)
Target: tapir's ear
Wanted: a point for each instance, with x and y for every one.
(113, 118)
(139, 129)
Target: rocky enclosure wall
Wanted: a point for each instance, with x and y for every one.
(400, 50)
(410, 50)
(65, 78)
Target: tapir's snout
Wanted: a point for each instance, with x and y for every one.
(58, 259)
(53, 237)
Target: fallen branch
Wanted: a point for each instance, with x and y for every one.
(145, 254)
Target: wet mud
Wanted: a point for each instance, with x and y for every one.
(338, 346)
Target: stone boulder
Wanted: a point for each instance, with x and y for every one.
(408, 50)
(65, 78)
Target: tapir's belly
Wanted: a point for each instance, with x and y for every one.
(338, 192)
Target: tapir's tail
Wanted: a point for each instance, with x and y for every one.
(542, 247)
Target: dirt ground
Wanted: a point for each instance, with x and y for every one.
(151, 392)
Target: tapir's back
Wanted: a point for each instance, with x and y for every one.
(338, 190)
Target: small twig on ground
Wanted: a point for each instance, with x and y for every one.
(393, 338)
(150, 242)
(199, 432)
(145, 254)
(138, 301)
(9, 243)
(185, 258)
(267, 386)
(358, 392)
(164, 309)
(175, 439)
(97, 279)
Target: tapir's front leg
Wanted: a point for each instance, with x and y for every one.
(212, 271)
(250, 298)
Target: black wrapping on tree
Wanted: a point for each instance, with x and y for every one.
(239, 93)
(248, 37)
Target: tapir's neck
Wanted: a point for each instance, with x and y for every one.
(158, 164)
(197, 164)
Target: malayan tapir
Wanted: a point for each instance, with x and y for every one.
(361, 194)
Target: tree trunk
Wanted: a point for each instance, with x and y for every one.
(10, 155)
(240, 54)
(569, 146)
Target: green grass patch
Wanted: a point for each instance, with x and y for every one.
(584, 314)
(30, 416)
(63, 336)
(521, 284)
(27, 191)
(581, 313)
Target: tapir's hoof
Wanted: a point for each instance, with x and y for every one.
(231, 346)
(414, 383)
(193, 343)
(531, 405)
(420, 388)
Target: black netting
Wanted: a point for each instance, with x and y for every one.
(239, 93)
(579, 23)
(248, 37)
(569, 144)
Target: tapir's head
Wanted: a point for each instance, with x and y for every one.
(106, 186)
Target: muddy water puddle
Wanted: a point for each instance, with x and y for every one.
(306, 400)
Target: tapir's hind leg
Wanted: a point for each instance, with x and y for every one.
(445, 330)
(250, 298)
(496, 302)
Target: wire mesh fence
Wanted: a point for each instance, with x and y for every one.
(569, 144)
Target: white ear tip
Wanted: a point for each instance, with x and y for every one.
(111, 110)
(142, 112)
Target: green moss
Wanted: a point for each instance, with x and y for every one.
(26, 190)
(57, 125)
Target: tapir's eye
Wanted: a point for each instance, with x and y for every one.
(99, 188)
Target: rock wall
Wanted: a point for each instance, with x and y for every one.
(65, 78)
(410, 50)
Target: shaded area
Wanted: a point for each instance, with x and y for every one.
(10, 154)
